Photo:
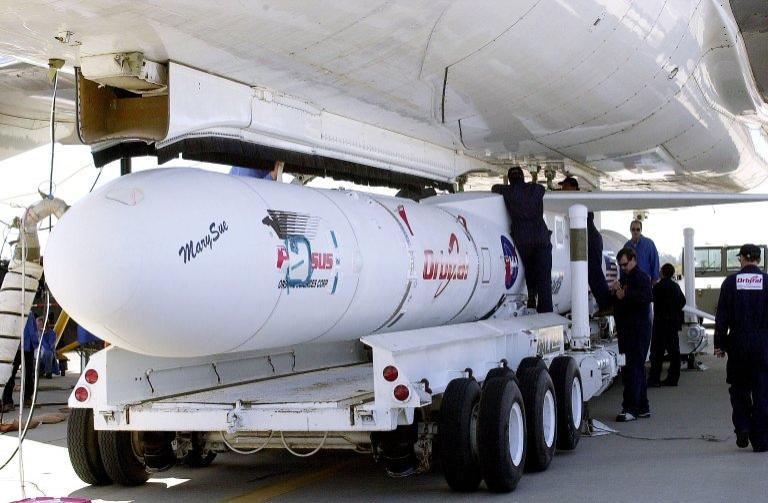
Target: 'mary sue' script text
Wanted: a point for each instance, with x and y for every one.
(193, 248)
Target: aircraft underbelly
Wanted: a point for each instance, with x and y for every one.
(658, 90)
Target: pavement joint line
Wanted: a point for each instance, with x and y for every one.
(288, 485)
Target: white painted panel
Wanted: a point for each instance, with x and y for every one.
(199, 100)
(486, 257)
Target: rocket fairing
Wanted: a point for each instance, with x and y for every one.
(184, 262)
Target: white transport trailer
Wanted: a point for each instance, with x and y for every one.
(490, 397)
(307, 319)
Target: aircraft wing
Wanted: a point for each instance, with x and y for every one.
(625, 200)
(617, 92)
(25, 106)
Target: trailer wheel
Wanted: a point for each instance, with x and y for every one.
(567, 380)
(528, 362)
(498, 372)
(501, 434)
(541, 417)
(198, 456)
(83, 447)
(456, 434)
(123, 455)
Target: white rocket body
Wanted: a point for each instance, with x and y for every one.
(184, 262)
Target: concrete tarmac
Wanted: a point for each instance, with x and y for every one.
(685, 452)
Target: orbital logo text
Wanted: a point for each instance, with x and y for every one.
(445, 267)
(749, 281)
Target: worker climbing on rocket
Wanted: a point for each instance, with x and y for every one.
(525, 205)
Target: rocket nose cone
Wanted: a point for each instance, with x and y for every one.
(168, 262)
(91, 259)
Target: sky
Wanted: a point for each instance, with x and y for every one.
(74, 174)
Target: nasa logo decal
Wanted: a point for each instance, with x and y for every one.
(511, 267)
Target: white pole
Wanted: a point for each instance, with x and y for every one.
(579, 283)
(689, 272)
(698, 312)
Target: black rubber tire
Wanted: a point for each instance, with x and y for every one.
(501, 468)
(498, 372)
(528, 362)
(83, 447)
(121, 462)
(197, 457)
(564, 370)
(535, 384)
(460, 466)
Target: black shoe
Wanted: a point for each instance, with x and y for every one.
(49, 375)
(7, 407)
(742, 440)
(645, 415)
(653, 383)
(667, 382)
(625, 417)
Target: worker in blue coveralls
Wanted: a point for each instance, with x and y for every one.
(274, 174)
(525, 205)
(30, 344)
(741, 332)
(668, 303)
(632, 311)
(85, 338)
(595, 276)
(49, 365)
(645, 248)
